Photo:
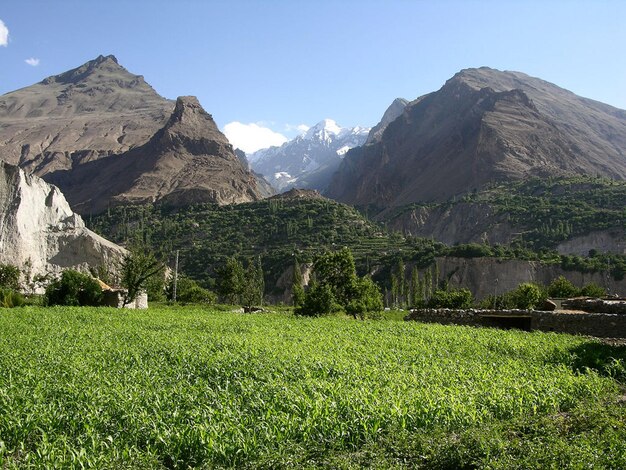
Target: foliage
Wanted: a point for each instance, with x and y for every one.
(191, 388)
(188, 291)
(338, 288)
(593, 290)
(562, 288)
(337, 270)
(10, 298)
(318, 300)
(297, 290)
(230, 280)
(253, 286)
(366, 299)
(73, 289)
(452, 298)
(138, 266)
(9, 276)
(527, 296)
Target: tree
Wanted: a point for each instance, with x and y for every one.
(338, 288)
(297, 291)
(253, 287)
(337, 270)
(230, 280)
(137, 267)
(73, 289)
(366, 299)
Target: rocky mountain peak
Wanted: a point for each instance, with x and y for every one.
(100, 66)
(394, 110)
(193, 128)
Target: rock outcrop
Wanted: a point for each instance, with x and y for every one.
(482, 126)
(489, 276)
(393, 112)
(106, 138)
(39, 231)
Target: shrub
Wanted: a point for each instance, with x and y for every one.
(74, 288)
(455, 298)
(562, 288)
(593, 290)
(9, 277)
(319, 300)
(188, 291)
(10, 298)
(527, 296)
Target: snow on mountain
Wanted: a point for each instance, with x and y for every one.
(309, 160)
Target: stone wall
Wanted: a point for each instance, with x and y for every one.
(604, 325)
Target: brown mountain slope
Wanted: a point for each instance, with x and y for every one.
(483, 125)
(189, 160)
(95, 110)
(105, 137)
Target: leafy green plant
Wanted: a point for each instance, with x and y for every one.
(10, 298)
(73, 288)
(9, 276)
(562, 288)
(453, 298)
(527, 296)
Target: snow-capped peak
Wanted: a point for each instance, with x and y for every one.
(323, 130)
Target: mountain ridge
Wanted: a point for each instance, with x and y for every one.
(482, 126)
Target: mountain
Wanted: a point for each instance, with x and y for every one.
(309, 160)
(395, 109)
(482, 126)
(39, 232)
(105, 137)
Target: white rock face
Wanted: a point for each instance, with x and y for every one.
(37, 227)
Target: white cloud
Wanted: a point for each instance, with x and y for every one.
(252, 137)
(4, 34)
(300, 128)
(32, 61)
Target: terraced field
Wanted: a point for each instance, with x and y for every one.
(186, 387)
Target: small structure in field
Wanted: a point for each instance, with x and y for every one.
(114, 297)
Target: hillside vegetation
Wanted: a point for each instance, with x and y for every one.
(182, 388)
(277, 229)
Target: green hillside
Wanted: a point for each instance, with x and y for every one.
(277, 229)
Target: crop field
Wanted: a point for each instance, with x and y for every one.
(175, 387)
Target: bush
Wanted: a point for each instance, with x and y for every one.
(593, 290)
(562, 288)
(188, 291)
(318, 301)
(527, 296)
(9, 277)
(455, 298)
(10, 298)
(74, 288)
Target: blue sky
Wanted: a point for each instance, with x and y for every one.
(274, 65)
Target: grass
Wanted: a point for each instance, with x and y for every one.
(188, 387)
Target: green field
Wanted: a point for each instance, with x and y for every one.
(183, 387)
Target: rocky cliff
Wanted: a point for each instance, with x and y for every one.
(105, 137)
(482, 126)
(489, 276)
(38, 228)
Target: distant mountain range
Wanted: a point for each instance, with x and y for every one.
(482, 126)
(105, 137)
(309, 160)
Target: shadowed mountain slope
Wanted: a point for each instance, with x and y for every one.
(483, 126)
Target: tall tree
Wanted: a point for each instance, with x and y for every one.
(137, 267)
(297, 291)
